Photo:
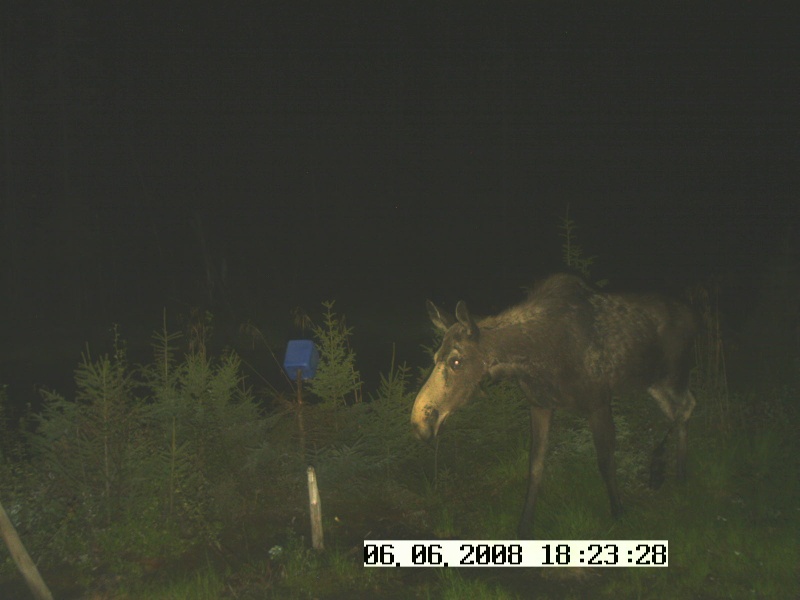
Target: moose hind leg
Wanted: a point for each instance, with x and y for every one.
(601, 423)
(683, 451)
(678, 408)
(540, 427)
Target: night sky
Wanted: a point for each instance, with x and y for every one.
(255, 159)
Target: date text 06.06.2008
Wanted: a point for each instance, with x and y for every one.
(512, 553)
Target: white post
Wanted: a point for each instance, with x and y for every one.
(315, 509)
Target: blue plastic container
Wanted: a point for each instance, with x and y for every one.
(303, 355)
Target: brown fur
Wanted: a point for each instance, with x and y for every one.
(568, 346)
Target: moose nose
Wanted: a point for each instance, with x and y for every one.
(426, 428)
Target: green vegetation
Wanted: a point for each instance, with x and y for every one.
(572, 253)
(336, 379)
(175, 480)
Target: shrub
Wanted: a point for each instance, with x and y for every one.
(144, 463)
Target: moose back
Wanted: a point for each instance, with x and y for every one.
(570, 347)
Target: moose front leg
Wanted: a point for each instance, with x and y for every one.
(601, 422)
(540, 427)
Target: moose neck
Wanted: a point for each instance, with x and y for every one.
(509, 350)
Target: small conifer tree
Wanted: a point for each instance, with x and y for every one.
(336, 378)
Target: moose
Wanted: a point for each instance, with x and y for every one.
(568, 346)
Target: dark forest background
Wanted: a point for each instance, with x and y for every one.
(254, 160)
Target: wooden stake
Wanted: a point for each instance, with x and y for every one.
(300, 387)
(301, 426)
(315, 509)
(26, 566)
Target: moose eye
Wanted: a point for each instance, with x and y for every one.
(455, 363)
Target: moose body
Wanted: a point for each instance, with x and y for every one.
(570, 347)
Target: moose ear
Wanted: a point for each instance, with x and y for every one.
(463, 316)
(440, 319)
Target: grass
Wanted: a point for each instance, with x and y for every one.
(205, 584)
(732, 530)
(452, 585)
